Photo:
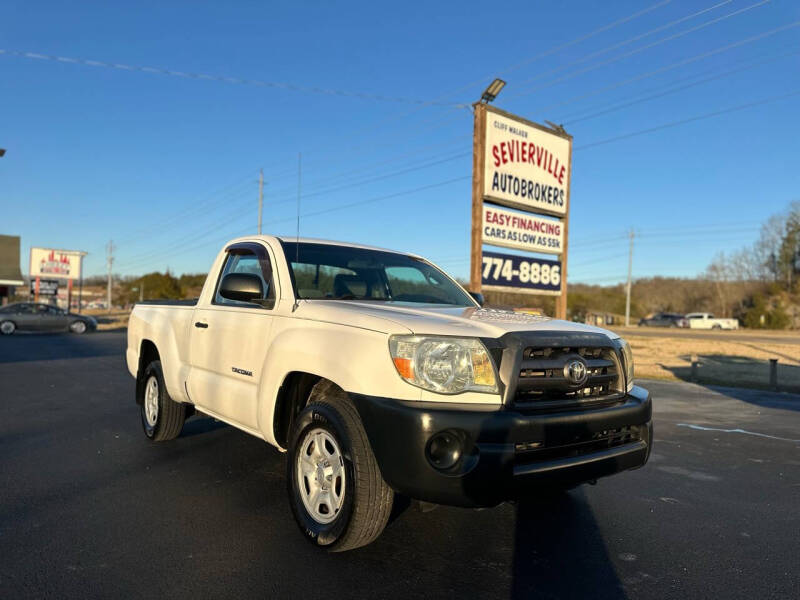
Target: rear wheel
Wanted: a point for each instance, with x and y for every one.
(77, 327)
(162, 417)
(336, 490)
(7, 327)
(716, 326)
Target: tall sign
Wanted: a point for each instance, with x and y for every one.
(60, 264)
(521, 174)
(50, 264)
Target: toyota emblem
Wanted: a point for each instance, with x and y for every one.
(575, 372)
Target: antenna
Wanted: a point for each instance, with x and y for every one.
(299, 181)
(297, 241)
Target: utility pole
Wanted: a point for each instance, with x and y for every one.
(260, 197)
(630, 274)
(109, 262)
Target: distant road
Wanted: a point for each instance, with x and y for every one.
(763, 337)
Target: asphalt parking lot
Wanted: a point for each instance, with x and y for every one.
(90, 508)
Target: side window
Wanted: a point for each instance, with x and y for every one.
(246, 261)
(25, 309)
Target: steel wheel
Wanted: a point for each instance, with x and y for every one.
(151, 401)
(78, 327)
(7, 327)
(321, 475)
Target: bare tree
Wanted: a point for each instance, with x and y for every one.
(720, 273)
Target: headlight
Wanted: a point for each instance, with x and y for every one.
(442, 364)
(627, 359)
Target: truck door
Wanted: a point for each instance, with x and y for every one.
(229, 340)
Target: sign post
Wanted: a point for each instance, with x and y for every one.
(527, 167)
(478, 160)
(561, 301)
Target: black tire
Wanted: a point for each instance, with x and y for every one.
(367, 502)
(716, 326)
(78, 327)
(7, 327)
(169, 416)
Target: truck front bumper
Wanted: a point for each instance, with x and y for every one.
(503, 454)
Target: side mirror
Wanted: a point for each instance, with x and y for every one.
(478, 298)
(242, 287)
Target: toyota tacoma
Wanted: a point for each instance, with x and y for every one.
(379, 375)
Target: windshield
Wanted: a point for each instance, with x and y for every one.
(326, 271)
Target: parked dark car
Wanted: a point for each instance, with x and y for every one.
(29, 316)
(664, 320)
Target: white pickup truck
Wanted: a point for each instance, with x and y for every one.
(702, 320)
(378, 374)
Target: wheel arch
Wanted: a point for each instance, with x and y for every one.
(293, 395)
(148, 352)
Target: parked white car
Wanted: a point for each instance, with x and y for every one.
(378, 374)
(702, 320)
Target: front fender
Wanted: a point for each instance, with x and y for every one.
(355, 359)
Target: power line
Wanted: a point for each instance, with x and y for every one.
(710, 115)
(530, 60)
(223, 202)
(194, 207)
(640, 49)
(329, 210)
(440, 123)
(426, 165)
(626, 42)
(574, 41)
(671, 66)
(618, 278)
(356, 176)
(673, 90)
(702, 227)
(596, 260)
(237, 215)
(224, 79)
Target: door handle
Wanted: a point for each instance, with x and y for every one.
(201, 325)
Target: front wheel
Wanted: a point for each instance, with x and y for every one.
(162, 417)
(336, 491)
(78, 327)
(7, 327)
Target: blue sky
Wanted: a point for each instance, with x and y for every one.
(167, 166)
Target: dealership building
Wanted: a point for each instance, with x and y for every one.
(10, 275)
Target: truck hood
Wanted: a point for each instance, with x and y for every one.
(434, 319)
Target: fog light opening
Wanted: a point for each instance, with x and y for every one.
(445, 449)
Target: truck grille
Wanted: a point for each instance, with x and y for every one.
(562, 378)
(578, 446)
